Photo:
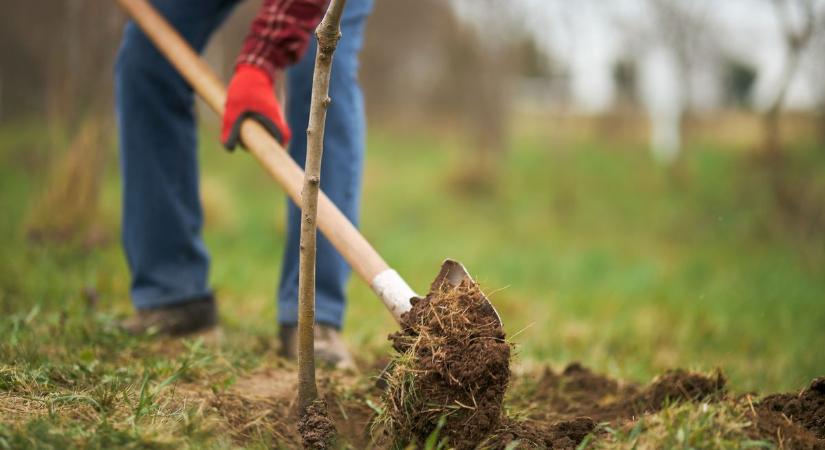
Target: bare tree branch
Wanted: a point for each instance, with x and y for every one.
(797, 39)
(328, 33)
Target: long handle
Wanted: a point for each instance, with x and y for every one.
(364, 260)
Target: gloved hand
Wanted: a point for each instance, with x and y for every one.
(251, 95)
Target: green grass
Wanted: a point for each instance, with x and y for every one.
(589, 250)
(686, 426)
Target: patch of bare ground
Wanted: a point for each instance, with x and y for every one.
(262, 406)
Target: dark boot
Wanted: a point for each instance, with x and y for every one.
(176, 320)
(329, 347)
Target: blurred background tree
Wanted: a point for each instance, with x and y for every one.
(659, 71)
(61, 69)
(799, 21)
(425, 67)
(56, 59)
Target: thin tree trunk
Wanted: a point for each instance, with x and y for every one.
(821, 122)
(772, 127)
(772, 136)
(796, 41)
(328, 33)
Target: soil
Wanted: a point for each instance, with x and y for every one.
(772, 426)
(578, 392)
(562, 434)
(556, 409)
(806, 410)
(563, 408)
(316, 428)
(453, 364)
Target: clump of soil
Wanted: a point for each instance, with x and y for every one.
(806, 408)
(453, 363)
(316, 428)
(679, 385)
(578, 392)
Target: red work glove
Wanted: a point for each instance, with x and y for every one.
(251, 95)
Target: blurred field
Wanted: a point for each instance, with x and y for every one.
(590, 251)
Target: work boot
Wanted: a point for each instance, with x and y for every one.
(176, 320)
(329, 347)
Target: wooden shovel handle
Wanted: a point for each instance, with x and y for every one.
(343, 235)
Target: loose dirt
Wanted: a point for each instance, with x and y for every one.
(579, 392)
(546, 409)
(563, 408)
(316, 428)
(798, 417)
(452, 369)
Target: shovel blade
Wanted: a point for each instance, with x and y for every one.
(453, 273)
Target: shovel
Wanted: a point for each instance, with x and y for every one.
(387, 284)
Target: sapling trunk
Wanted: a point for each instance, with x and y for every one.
(797, 39)
(328, 33)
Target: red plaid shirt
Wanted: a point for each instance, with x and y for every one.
(280, 32)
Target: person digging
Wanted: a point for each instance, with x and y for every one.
(162, 214)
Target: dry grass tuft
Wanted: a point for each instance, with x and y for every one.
(67, 208)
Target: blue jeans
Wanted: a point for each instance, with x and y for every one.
(162, 215)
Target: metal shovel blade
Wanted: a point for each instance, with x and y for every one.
(453, 273)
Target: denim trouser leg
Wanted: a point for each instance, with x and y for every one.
(162, 215)
(341, 167)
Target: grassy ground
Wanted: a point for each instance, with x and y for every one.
(589, 251)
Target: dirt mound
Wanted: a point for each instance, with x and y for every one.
(563, 408)
(575, 392)
(453, 363)
(578, 392)
(316, 428)
(776, 427)
(679, 385)
(807, 408)
(565, 434)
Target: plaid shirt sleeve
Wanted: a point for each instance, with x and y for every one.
(280, 33)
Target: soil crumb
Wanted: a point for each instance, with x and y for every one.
(316, 428)
(806, 409)
(452, 366)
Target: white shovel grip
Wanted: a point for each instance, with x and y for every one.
(394, 292)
